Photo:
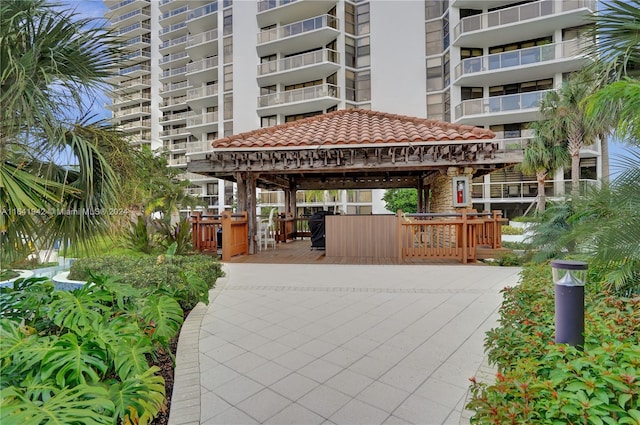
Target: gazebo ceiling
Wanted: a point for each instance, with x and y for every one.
(351, 149)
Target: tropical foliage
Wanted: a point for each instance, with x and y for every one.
(401, 199)
(55, 182)
(539, 381)
(82, 357)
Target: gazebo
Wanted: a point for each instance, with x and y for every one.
(355, 149)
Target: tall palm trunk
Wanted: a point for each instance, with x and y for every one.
(574, 146)
(542, 198)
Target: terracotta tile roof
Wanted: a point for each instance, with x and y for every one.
(353, 127)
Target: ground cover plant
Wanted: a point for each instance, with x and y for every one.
(541, 382)
(85, 356)
(187, 278)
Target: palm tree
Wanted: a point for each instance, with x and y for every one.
(564, 114)
(543, 156)
(54, 181)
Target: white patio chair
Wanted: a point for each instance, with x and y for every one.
(266, 232)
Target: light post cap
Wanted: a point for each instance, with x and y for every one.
(569, 265)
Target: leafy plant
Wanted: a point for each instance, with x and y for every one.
(539, 381)
(85, 350)
(178, 235)
(139, 237)
(510, 230)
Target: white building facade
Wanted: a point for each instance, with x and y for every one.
(197, 70)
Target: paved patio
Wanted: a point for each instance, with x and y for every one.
(336, 344)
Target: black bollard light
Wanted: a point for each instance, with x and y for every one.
(569, 278)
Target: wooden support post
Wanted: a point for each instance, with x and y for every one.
(497, 229)
(251, 211)
(400, 234)
(465, 238)
(421, 203)
(227, 238)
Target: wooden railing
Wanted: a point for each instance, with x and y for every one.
(448, 236)
(234, 236)
(289, 227)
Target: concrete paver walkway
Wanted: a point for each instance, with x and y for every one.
(336, 344)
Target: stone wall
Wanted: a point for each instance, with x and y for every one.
(442, 190)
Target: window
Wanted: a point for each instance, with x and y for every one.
(228, 128)
(212, 188)
(227, 43)
(363, 86)
(363, 18)
(434, 74)
(471, 93)
(268, 121)
(363, 52)
(435, 107)
(292, 118)
(227, 22)
(350, 52)
(349, 18)
(303, 85)
(268, 90)
(228, 193)
(435, 8)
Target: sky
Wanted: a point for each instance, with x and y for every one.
(96, 9)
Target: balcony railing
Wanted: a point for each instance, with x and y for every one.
(271, 4)
(130, 111)
(512, 15)
(173, 57)
(193, 176)
(174, 12)
(210, 90)
(204, 37)
(133, 27)
(497, 104)
(296, 28)
(139, 67)
(177, 161)
(178, 146)
(141, 53)
(137, 96)
(174, 42)
(172, 28)
(525, 190)
(174, 132)
(175, 86)
(516, 58)
(298, 61)
(199, 147)
(174, 101)
(202, 11)
(203, 64)
(121, 4)
(138, 39)
(172, 117)
(173, 71)
(135, 82)
(145, 12)
(297, 95)
(199, 119)
(144, 123)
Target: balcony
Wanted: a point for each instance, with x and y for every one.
(298, 36)
(512, 108)
(209, 119)
(173, 45)
(195, 176)
(181, 116)
(302, 100)
(278, 11)
(138, 83)
(169, 74)
(136, 56)
(174, 87)
(131, 17)
(172, 16)
(135, 71)
(175, 132)
(139, 42)
(171, 103)
(305, 67)
(525, 191)
(177, 147)
(173, 31)
(201, 96)
(177, 162)
(136, 125)
(126, 5)
(198, 147)
(523, 64)
(524, 22)
(130, 113)
(139, 28)
(197, 71)
(203, 44)
(130, 99)
(174, 57)
(199, 19)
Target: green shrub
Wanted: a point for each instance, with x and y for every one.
(510, 230)
(187, 278)
(81, 357)
(509, 259)
(543, 382)
(516, 245)
(523, 219)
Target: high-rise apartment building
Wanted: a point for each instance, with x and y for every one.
(197, 70)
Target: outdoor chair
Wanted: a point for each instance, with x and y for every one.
(266, 232)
